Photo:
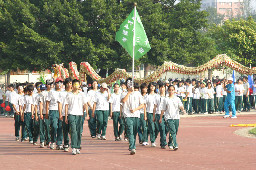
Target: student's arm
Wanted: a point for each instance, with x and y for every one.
(110, 110)
(109, 95)
(93, 109)
(35, 108)
(14, 107)
(41, 110)
(21, 113)
(138, 108)
(47, 109)
(130, 90)
(85, 108)
(32, 111)
(154, 113)
(145, 112)
(161, 116)
(60, 110)
(121, 110)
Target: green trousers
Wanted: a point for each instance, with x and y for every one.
(188, 105)
(18, 123)
(36, 130)
(203, 105)
(44, 127)
(210, 105)
(65, 128)
(56, 127)
(28, 130)
(151, 127)
(1, 109)
(215, 103)
(132, 129)
(92, 123)
(75, 123)
(160, 127)
(102, 121)
(116, 119)
(238, 103)
(142, 129)
(196, 103)
(219, 103)
(173, 126)
(247, 105)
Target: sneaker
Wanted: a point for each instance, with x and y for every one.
(103, 138)
(171, 147)
(78, 151)
(59, 147)
(176, 148)
(52, 146)
(34, 143)
(117, 139)
(26, 139)
(125, 139)
(144, 143)
(49, 145)
(73, 151)
(153, 144)
(163, 147)
(233, 117)
(206, 113)
(226, 116)
(120, 138)
(93, 136)
(12, 116)
(42, 145)
(133, 151)
(66, 149)
(31, 142)
(98, 136)
(17, 139)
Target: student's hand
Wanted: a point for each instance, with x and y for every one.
(160, 121)
(111, 115)
(32, 117)
(145, 117)
(154, 119)
(46, 116)
(61, 118)
(184, 112)
(36, 118)
(93, 114)
(66, 120)
(22, 118)
(87, 118)
(41, 117)
(132, 111)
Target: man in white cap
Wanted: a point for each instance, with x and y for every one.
(230, 100)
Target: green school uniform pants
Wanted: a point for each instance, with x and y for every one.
(36, 130)
(160, 127)
(219, 103)
(117, 119)
(1, 108)
(102, 121)
(28, 130)
(246, 102)
(75, 123)
(203, 105)
(188, 105)
(92, 123)
(17, 124)
(173, 126)
(56, 127)
(239, 102)
(210, 105)
(196, 105)
(142, 129)
(151, 127)
(44, 127)
(65, 127)
(132, 129)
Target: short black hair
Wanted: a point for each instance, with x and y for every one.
(115, 84)
(143, 85)
(38, 84)
(171, 86)
(30, 87)
(136, 86)
(75, 80)
(67, 80)
(161, 84)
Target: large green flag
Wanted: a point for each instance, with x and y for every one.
(125, 36)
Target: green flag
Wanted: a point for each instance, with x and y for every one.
(125, 36)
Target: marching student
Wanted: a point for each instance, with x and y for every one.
(1, 101)
(61, 107)
(54, 116)
(224, 92)
(239, 89)
(28, 116)
(75, 105)
(115, 112)
(219, 97)
(7, 100)
(150, 101)
(160, 127)
(132, 103)
(101, 110)
(189, 97)
(210, 100)
(204, 98)
(170, 110)
(142, 127)
(196, 98)
(92, 120)
(15, 100)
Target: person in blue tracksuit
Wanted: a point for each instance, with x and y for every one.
(230, 100)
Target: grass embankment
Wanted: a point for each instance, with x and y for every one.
(253, 131)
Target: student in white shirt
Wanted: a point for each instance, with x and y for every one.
(196, 98)
(204, 98)
(92, 120)
(75, 105)
(101, 110)
(143, 128)
(247, 105)
(54, 116)
(28, 116)
(210, 100)
(12, 93)
(239, 89)
(150, 103)
(188, 97)
(132, 103)
(160, 127)
(7, 96)
(170, 110)
(219, 97)
(115, 102)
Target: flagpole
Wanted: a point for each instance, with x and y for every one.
(133, 52)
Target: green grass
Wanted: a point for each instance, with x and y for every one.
(253, 131)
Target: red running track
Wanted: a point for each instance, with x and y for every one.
(204, 143)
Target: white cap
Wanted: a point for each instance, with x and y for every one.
(230, 78)
(83, 83)
(104, 85)
(166, 81)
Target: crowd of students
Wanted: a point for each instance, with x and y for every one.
(55, 112)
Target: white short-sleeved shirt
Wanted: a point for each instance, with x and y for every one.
(190, 90)
(159, 102)
(16, 99)
(239, 88)
(219, 91)
(75, 103)
(210, 93)
(1, 94)
(42, 98)
(12, 96)
(224, 92)
(171, 106)
(183, 89)
(144, 101)
(7, 95)
(61, 99)
(150, 102)
(116, 101)
(91, 94)
(204, 93)
(101, 100)
(196, 93)
(28, 101)
(53, 99)
(134, 100)
(246, 87)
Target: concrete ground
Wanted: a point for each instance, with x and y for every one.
(205, 142)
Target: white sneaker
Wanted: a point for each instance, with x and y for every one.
(59, 147)
(206, 113)
(73, 151)
(98, 136)
(34, 143)
(176, 148)
(31, 142)
(27, 138)
(78, 151)
(226, 116)
(52, 146)
(144, 143)
(103, 138)
(153, 144)
(125, 139)
(171, 147)
(42, 145)
(17, 139)
(49, 145)
(133, 151)
(233, 117)
(66, 149)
